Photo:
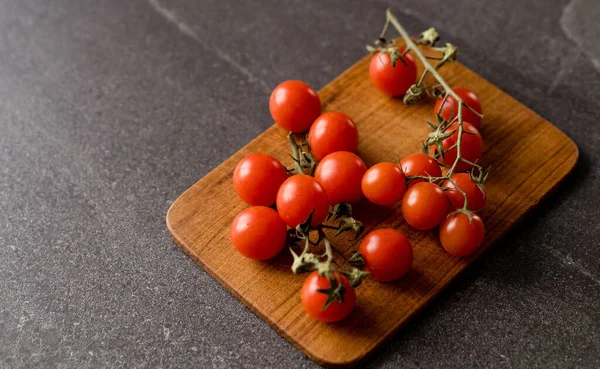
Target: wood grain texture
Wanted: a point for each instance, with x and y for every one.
(528, 155)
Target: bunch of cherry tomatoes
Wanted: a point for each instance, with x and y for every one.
(282, 198)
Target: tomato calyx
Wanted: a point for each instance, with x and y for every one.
(334, 293)
(355, 276)
(428, 37)
(436, 138)
(385, 46)
(480, 177)
(348, 223)
(356, 260)
(303, 159)
(340, 210)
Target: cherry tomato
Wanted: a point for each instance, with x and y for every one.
(471, 147)
(387, 253)
(384, 184)
(332, 131)
(313, 300)
(257, 178)
(477, 198)
(424, 205)
(450, 109)
(393, 81)
(341, 173)
(420, 165)
(258, 233)
(298, 196)
(294, 105)
(459, 237)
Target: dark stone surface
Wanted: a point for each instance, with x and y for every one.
(110, 109)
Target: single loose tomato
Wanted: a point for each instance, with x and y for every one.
(450, 108)
(257, 178)
(424, 205)
(470, 149)
(420, 164)
(332, 131)
(258, 233)
(313, 300)
(294, 105)
(387, 253)
(384, 184)
(476, 197)
(459, 237)
(393, 81)
(341, 173)
(300, 195)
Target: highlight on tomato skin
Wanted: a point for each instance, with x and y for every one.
(461, 237)
(424, 206)
(332, 131)
(313, 300)
(257, 177)
(294, 106)
(341, 175)
(387, 253)
(384, 184)
(298, 197)
(258, 233)
(392, 80)
(450, 108)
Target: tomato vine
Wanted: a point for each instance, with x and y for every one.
(415, 93)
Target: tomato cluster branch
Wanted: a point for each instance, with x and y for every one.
(415, 93)
(308, 261)
(302, 158)
(324, 264)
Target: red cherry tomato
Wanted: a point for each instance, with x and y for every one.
(420, 165)
(258, 233)
(387, 253)
(294, 105)
(298, 196)
(384, 184)
(471, 147)
(257, 178)
(341, 173)
(459, 237)
(393, 81)
(450, 109)
(424, 205)
(476, 197)
(313, 300)
(332, 131)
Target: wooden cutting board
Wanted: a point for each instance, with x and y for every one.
(528, 155)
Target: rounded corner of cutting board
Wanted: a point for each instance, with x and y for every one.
(575, 153)
(171, 219)
(336, 363)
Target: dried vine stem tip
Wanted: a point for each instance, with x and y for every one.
(429, 37)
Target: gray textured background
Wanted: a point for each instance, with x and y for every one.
(110, 109)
